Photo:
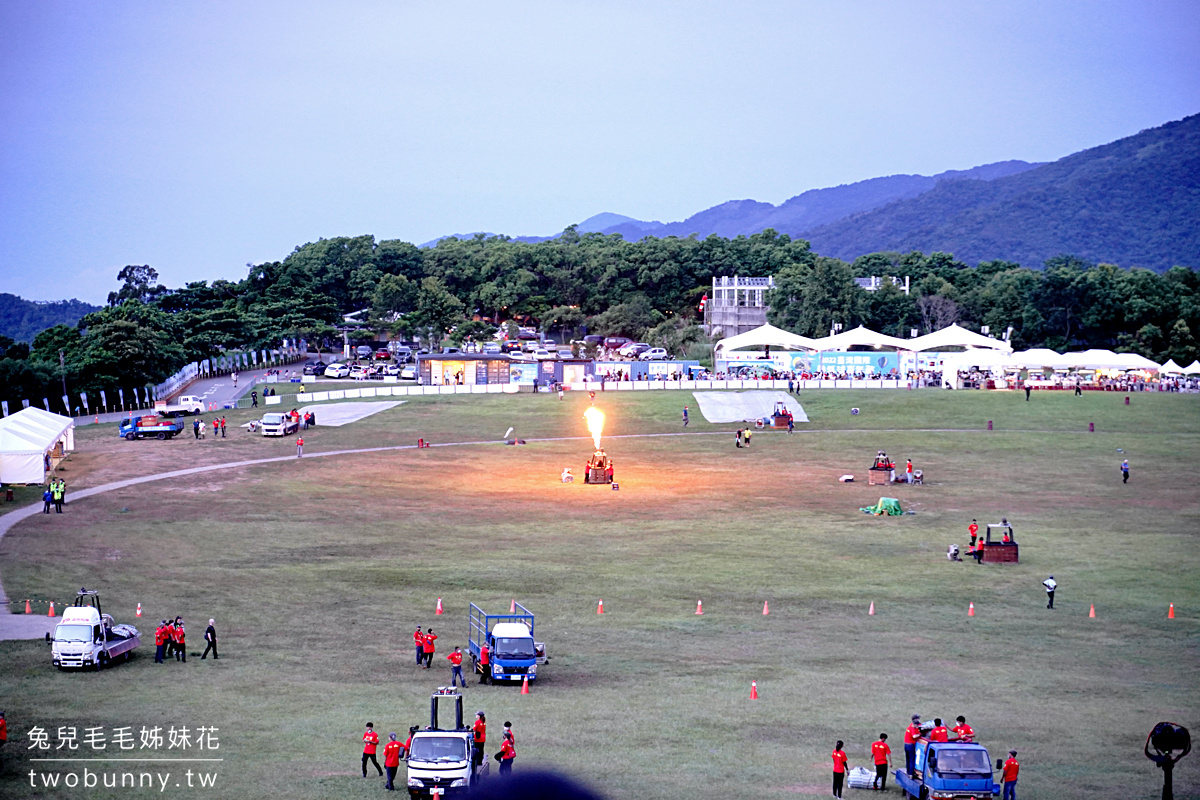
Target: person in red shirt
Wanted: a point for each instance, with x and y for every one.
(177, 636)
(160, 642)
(973, 529)
(419, 643)
(485, 663)
(911, 734)
(427, 646)
(455, 660)
(370, 742)
(964, 731)
(3, 729)
(840, 766)
(391, 760)
(508, 750)
(939, 732)
(882, 754)
(299, 447)
(479, 738)
(1011, 768)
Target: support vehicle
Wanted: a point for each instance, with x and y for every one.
(87, 637)
(279, 424)
(183, 406)
(513, 654)
(949, 771)
(440, 758)
(149, 426)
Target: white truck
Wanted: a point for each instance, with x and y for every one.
(278, 424)
(87, 638)
(440, 759)
(182, 407)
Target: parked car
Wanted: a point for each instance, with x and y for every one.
(363, 351)
(565, 352)
(408, 372)
(593, 339)
(314, 368)
(542, 353)
(391, 369)
(634, 349)
(653, 354)
(491, 347)
(616, 342)
(382, 355)
(337, 371)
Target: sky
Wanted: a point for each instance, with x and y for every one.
(199, 137)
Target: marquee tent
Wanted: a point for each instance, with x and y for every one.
(27, 438)
(1193, 368)
(1039, 358)
(954, 336)
(860, 337)
(1171, 368)
(761, 337)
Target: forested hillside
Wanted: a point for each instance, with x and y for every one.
(21, 319)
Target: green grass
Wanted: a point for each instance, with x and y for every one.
(317, 570)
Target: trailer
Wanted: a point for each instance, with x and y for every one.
(949, 771)
(86, 637)
(513, 655)
(149, 426)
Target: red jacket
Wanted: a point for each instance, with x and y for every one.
(177, 634)
(370, 741)
(485, 655)
(480, 731)
(160, 635)
(507, 751)
(427, 642)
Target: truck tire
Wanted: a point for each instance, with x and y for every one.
(161, 436)
(129, 437)
(102, 661)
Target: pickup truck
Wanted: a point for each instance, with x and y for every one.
(949, 771)
(182, 407)
(513, 654)
(146, 426)
(87, 637)
(439, 759)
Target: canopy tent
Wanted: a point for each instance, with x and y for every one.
(1107, 359)
(1193, 368)
(954, 336)
(27, 438)
(860, 337)
(1135, 361)
(763, 336)
(1171, 368)
(975, 358)
(1039, 358)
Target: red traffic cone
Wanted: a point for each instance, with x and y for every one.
(871, 610)
(1092, 612)
(766, 610)
(420, 443)
(512, 606)
(753, 690)
(51, 614)
(525, 685)
(1170, 611)
(699, 608)
(600, 607)
(438, 610)
(139, 610)
(97, 419)
(28, 608)
(971, 610)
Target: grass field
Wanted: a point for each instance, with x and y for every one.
(318, 569)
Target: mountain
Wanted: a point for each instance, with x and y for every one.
(1133, 202)
(21, 319)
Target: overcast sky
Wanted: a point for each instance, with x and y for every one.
(197, 137)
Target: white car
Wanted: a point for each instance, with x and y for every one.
(565, 352)
(337, 371)
(491, 347)
(391, 369)
(408, 372)
(653, 354)
(633, 349)
(360, 373)
(542, 353)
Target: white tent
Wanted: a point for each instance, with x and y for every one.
(762, 336)
(1193, 368)
(984, 359)
(860, 337)
(954, 336)
(1095, 359)
(1039, 358)
(1171, 368)
(1134, 361)
(27, 438)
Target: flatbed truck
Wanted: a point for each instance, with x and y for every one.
(149, 426)
(949, 771)
(513, 655)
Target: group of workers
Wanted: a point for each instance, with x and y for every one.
(170, 639)
(55, 494)
(394, 751)
(884, 462)
(978, 543)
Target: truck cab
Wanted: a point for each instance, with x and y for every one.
(440, 758)
(87, 638)
(949, 771)
(513, 653)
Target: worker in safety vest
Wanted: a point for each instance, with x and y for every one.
(485, 663)
(964, 731)
(939, 732)
(478, 738)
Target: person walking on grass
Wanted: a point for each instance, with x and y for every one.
(210, 637)
(1125, 471)
(180, 638)
(508, 750)
(58, 490)
(427, 646)
(1011, 768)
(455, 659)
(47, 499)
(160, 642)
(299, 447)
(419, 643)
(254, 399)
(882, 755)
(370, 743)
(391, 761)
(840, 766)
(685, 416)
(1050, 585)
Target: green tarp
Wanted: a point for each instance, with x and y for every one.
(886, 505)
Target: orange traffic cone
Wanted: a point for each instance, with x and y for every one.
(871, 610)
(600, 607)
(1092, 612)
(1170, 611)
(971, 610)
(766, 611)
(699, 607)
(525, 685)
(51, 614)
(28, 608)
(97, 419)
(753, 690)
(438, 610)
(139, 610)
(512, 606)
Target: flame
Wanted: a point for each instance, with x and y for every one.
(595, 423)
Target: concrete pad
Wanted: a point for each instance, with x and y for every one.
(335, 415)
(27, 626)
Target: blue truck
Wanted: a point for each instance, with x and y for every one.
(149, 425)
(513, 655)
(949, 771)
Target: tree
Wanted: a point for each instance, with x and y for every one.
(137, 283)
(630, 318)
(437, 309)
(810, 300)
